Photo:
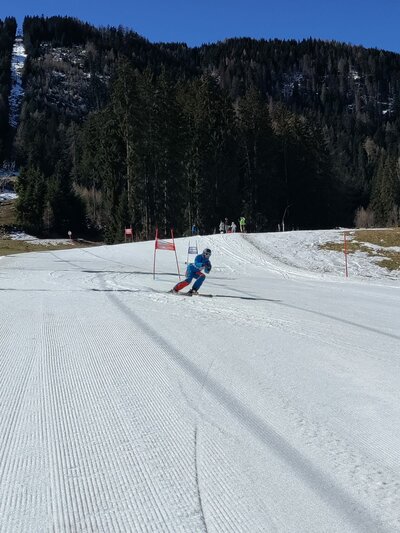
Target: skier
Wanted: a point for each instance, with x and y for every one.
(194, 271)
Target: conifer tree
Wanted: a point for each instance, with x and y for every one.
(126, 109)
(167, 156)
(210, 159)
(257, 151)
(385, 196)
(31, 188)
(67, 209)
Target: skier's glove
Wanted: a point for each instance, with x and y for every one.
(207, 270)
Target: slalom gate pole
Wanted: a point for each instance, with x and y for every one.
(155, 250)
(345, 255)
(176, 257)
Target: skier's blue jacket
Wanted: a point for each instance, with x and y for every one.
(194, 269)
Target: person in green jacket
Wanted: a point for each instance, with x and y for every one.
(242, 224)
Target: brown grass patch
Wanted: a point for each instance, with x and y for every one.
(9, 246)
(339, 247)
(358, 241)
(380, 237)
(391, 260)
(8, 213)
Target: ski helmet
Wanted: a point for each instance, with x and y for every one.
(207, 252)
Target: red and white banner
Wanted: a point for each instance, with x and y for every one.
(161, 244)
(164, 245)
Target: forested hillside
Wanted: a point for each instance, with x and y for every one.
(115, 130)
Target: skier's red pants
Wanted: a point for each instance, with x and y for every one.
(199, 276)
(181, 285)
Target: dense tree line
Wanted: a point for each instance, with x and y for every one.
(350, 92)
(169, 154)
(8, 29)
(121, 131)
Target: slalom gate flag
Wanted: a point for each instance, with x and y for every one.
(164, 245)
(161, 244)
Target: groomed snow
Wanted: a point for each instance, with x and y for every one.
(272, 407)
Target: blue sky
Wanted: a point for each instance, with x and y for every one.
(366, 22)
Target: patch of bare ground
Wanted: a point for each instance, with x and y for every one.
(379, 243)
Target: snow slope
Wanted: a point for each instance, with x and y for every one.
(273, 406)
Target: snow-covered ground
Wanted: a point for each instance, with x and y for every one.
(7, 195)
(17, 65)
(273, 406)
(22, 236)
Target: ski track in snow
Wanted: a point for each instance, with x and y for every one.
(124, 408)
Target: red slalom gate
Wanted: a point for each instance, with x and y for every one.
(162, 244)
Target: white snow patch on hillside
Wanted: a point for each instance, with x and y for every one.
(17, 65)
(5, 196)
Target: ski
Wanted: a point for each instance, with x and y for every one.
(190, 295)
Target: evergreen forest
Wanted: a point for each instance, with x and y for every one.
(115, 131)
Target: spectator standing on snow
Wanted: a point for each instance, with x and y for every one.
(221, 227)
(242, 224)
(233, 227)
